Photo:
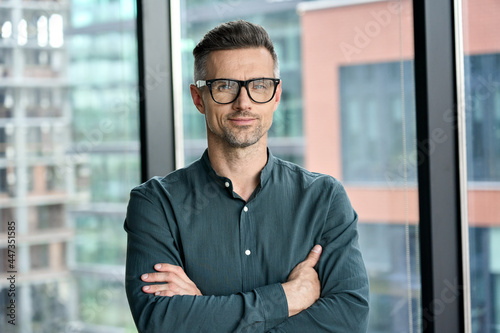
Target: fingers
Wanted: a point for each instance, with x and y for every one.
(165, 268)
(172, 279)
(172, 282)
(176, 282)
(313, 256)
(303, 287)
(173, 269)
(162, 289)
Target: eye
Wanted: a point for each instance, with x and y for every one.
(261, 84)
(223, 85)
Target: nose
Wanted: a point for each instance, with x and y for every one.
(243, 102)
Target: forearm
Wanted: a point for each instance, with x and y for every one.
(344, 302)
(260, 309)
(149, 242)
(345, 312)
(343, 305)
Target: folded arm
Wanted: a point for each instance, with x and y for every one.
(343, 304)
(174, 282)
(150, 241)
(302, 287)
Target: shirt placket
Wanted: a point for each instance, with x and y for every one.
(248, 246)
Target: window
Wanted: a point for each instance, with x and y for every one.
(348, 115)
(47, 217)
(371, 97)
(69, 155)
(70, 144)
(482, 120)
(359, 117)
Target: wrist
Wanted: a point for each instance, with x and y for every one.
(289, 289)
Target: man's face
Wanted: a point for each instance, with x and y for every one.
(243, 122)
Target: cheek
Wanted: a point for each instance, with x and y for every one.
(214, 119)
(268, 119)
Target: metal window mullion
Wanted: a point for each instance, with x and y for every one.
(462, 157)
(155, 88)
(438, 167)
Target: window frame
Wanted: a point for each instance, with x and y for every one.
(440, 145)
(443, 239)
(156, 102)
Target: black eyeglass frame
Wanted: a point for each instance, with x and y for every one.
(208, 83)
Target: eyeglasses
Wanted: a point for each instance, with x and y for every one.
(226, 91)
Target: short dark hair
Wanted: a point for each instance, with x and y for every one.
(230, 36)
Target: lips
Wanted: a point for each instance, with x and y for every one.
(242, 121)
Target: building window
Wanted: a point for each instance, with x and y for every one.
(482, 121)
(371, 116)
(69, 154)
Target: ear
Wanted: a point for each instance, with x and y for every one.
(277, 96)
(197, 97)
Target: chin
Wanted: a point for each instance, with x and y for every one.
(241, 143)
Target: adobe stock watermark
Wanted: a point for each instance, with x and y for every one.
(61, 320)
(449, 294)
(223, 8)
(10, 262)
(93, 137)
(363, 36)
(201, 201)
(124, 106)
(425, 148)
(105, 297)
(437, 306)
(485, 89)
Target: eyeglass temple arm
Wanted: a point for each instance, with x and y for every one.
(201, 83)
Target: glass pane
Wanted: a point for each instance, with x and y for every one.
(360, 127)
(69, 155)
(347, 110)
(482, 110)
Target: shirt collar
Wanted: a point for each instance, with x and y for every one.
(264, 175)
(210, 171)
(268, 168)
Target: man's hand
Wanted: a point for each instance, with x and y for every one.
(302, 288)
(177, 282)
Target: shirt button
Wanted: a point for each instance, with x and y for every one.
(247, 252)
(226, 184)
(245, 209)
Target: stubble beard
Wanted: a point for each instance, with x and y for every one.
(237, 138)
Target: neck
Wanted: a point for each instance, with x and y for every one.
(242, 165)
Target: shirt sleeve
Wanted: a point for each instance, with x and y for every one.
(150, 242)
(343, 303)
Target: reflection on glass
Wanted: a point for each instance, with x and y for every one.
(6, 30)
(482, 118)
(22, 30)
(56, 30)
(69, 155)
(43, 36)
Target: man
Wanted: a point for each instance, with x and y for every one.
(241, 241)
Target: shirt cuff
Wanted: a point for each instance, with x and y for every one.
(274, 303)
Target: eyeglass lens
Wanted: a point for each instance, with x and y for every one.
(259, 90)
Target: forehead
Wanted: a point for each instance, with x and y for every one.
(240, 63)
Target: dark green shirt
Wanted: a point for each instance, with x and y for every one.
(238, 253)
